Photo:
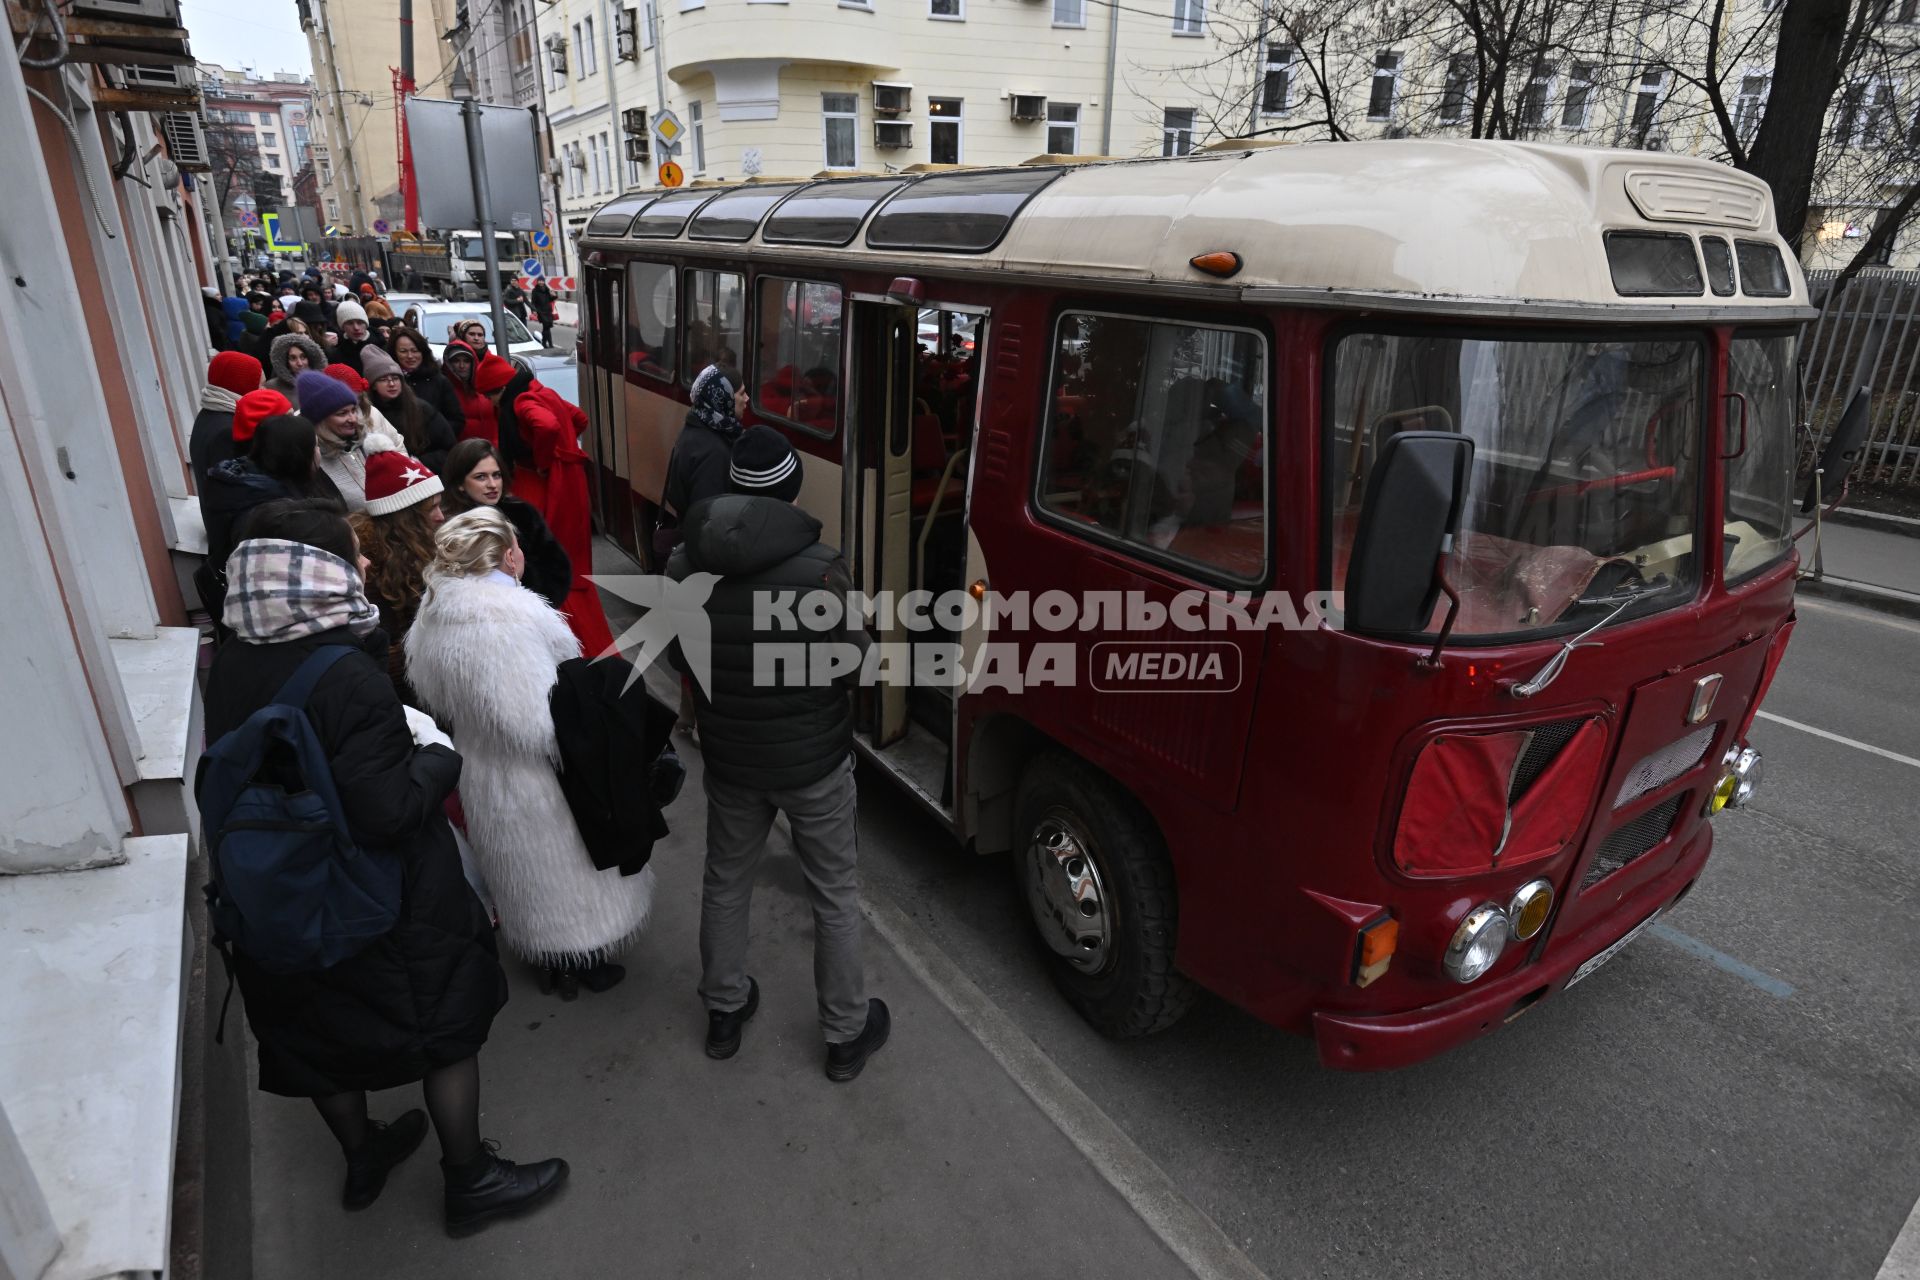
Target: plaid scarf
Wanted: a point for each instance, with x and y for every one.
(279, 591)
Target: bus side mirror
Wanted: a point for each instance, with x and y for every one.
(1843, 446)
(1415, 496)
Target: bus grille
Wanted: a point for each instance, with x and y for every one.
(1542, 747)
(1633, 840)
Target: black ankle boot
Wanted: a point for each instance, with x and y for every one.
(845, 1061)
(386, 1146)
(490, 1185)
(723, 1029)
(562, 982)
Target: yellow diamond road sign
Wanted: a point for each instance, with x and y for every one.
(668, 126)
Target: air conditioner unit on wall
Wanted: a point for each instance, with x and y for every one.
(638, 150)
(626, 27)
(892, 99)
(1027, 106)
(634, 120)
(186, 140)
(893, 134)
(159, 79)
(158, 11)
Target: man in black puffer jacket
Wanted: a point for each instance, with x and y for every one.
(770, 747)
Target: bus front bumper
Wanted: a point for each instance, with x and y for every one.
(1376, 1042)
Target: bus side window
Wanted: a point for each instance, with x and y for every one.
(797, 356)
(1156, 436)
(716, 323)
(653, 319)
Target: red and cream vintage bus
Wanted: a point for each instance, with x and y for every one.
(1529, 410)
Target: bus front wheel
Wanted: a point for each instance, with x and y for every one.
(1100, 888)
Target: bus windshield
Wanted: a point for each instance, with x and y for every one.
(1585, 489)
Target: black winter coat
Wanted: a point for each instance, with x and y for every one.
(441, 434)
(347, 352)
(609, 736)
(768, 737)
(549, 574)
(432, 388)
(227, 493)
(209, 444)
(422, 997)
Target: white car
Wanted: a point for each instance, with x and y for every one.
(436, 320)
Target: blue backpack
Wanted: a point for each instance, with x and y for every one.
(290, 888)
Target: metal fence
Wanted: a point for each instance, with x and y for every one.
(1868, 336)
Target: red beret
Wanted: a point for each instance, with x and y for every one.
(254, 408)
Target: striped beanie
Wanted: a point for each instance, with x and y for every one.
(765, 465)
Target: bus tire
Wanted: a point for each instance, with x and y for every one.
(1099, 887)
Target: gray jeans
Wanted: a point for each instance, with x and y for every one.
(823, 816)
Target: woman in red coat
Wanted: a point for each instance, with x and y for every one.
(540, 435)
(481, 419)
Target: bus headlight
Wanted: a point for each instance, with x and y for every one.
(1477, 943)
(1736, 787)
(1527, 912)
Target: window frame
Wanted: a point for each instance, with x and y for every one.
(1073, 124)
(1542, 75)
(1750, 334)
(957, 120)
(1587, 85)
(828, 117)
(1459, 58)
(630, 294)
(1169, 132)
(1194, 570)
(758, 318)
(687, 372)
(1079, 6)
(1284, 68)
(697, 135)
(1393, 74)
(959, 13)
(1190, 18)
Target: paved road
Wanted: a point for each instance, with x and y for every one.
(1737, 1097)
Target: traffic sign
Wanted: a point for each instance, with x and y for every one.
(533, 268)
(270, 222)
(381, 226)
(671, 175)
(668, 126)
(247, 218)
(563, 283)
(541, 240)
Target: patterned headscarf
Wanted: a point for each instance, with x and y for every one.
(712, 397)
(279, 591)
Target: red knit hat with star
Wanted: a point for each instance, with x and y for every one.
(396, 481)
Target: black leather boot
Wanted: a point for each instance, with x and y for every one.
(723, 1029)
(845, 1061)
(386, 1146)
(490, 1185)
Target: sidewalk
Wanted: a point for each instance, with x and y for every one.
(1875, 563)
(933, 1163)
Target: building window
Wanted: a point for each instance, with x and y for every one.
(1069, 13)
(606, 161)
(943, 130)
(1176, 131)
(580, 60)
(1458, 88)
(590, 51)
(1063, 128)
(1909, 12)
(1750, 105)
(333, 210)
(699, 130)
(273, 161)
(1276, 90)
(1189, 16)
(1865, 111)
(1578, 110)
(840, 114)
(266, 140)
(948, 10)
(266, 117)
(1534, 99)
(1646, 106)
(1386, 78)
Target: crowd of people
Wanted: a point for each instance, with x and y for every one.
(397, 551)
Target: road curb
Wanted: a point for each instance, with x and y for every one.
(1880, 521)
(1902, 604)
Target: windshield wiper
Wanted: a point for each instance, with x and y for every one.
(1620, 601)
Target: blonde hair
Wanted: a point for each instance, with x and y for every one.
(471, 544)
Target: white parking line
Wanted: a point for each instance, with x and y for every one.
(1855, 613)
(1195, 1238)
(1903, 1260)
(1842, 739)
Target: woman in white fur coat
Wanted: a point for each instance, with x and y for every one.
(482, 655)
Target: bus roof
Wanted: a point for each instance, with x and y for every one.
(1438, 226)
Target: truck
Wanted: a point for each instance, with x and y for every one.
(453, 266)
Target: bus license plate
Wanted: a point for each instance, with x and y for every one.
(1611, 951)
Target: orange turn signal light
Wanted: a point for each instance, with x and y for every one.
(1222, 263)
(1377, 943)
(979, 589)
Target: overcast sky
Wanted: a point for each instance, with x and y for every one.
(262, 34)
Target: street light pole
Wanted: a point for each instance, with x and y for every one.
(482, 203)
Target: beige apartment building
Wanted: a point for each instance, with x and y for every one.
(799, 87)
